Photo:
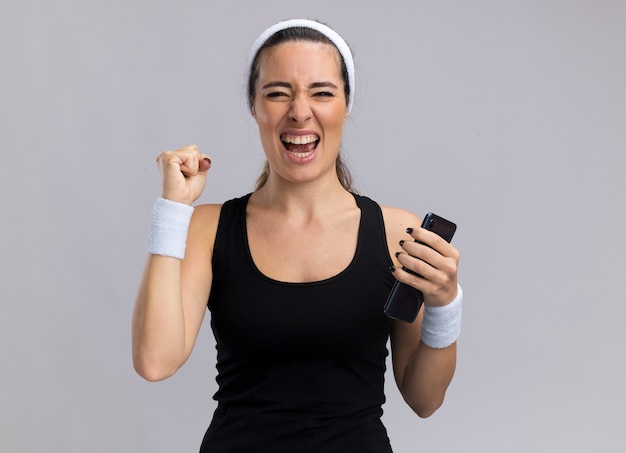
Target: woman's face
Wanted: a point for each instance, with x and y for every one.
(300, 108)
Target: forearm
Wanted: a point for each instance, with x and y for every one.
(158, 320)
(166, 319)
(427, 377)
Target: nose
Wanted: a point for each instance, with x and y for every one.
(300, 110)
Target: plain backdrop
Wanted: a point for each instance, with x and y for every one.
(508, 117)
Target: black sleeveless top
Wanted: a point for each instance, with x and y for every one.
(300, 365)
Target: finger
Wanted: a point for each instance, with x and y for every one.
(416, 267)
(189, 160)
(425, 236)
(204, 163)
(192, 161)
(421, 251)
(431, 257)
(170, 161)
(189, 166)
(437, 285)
(432, 240)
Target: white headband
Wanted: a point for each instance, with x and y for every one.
(331, 34)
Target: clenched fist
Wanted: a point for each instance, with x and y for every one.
(184, 173)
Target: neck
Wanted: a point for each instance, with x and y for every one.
(302, 199)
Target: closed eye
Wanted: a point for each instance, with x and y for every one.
(275, 94)
(324, 94)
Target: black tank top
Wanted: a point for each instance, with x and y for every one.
(300, 365)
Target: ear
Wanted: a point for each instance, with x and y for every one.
(253, 111)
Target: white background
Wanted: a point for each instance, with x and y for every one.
(508, 117)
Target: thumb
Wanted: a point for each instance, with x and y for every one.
(204, 164)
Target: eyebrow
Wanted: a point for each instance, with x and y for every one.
(288, 85)
(323, 85)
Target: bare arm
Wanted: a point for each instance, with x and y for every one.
(422, 373)
(172, 300)
(172, 296)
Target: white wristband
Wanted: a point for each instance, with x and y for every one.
(441, 326)
(168, 228)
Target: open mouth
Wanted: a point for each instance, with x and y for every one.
(300, 145)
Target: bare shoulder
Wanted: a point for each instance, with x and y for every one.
(208, 214)
(397, 220)
(203, 228)
(208, 211)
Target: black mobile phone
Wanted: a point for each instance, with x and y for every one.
(404, 301)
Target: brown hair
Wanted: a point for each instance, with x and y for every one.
(299, 34)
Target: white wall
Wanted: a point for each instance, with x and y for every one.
(505, 116)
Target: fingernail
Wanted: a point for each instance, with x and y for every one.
(392, 268)
(397, 254)
(409, 230)
(207, 159)
(401, 242)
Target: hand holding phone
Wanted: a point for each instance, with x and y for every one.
(404, 301)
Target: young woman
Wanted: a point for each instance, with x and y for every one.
(296, 274)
